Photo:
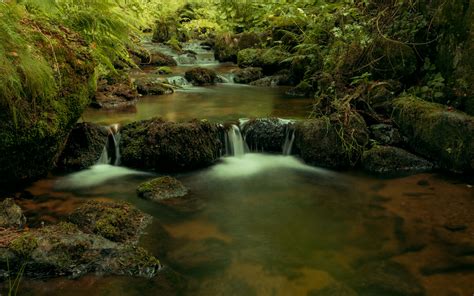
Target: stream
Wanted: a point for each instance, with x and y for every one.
(269, 224)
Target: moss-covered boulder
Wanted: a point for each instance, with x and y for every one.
(266, 134)
(303, 89)
(11, 214)
(34, 125)
(335, 141)
(385, 134)
(64, 250)
(201, 76)
(437, 132)
(83, 147)
(151, 86)
(393, 161)
(167, 146)
(118, 222)
(162, 188)
(270, 60)
(247, 75)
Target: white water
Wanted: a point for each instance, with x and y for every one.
(289, 140)
(254, 163)
(235, 144)
(95, 175)
(114, 135)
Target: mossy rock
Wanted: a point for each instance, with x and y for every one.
(11, 214)
(164, 70)
(393, 161)
(303, 89)
(64, 250)
(270, 60)
(83, 147)
(335, 141)
(266, 134)
(247, 75)
(118, 222)
(167, 146)
(161, 59)
(150, 86)
(437, 132)
(114, 92)
(201, 76)
(162, 188)
(227, 46)
(33, 135)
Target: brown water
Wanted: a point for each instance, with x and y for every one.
(270, 224)
(282, 228)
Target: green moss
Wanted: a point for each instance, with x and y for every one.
(164, 70)
(24, 245)
(270, 60)
(436, 132)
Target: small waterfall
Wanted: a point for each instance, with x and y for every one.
(289, 139)
(226, 78)
(111, 152)
(234, 142)
(178, 81)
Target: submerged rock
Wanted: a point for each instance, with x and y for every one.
(436, 132)
(392, 161)
(247, 75)
(201, 76)
(336, 141)
(265, 134)
(118, 222)
(202, 256)
(150, 86)
(11, 214)
(167, 146)
(335, 289)
(161, 188)
(274, 80)
(385, 278)
(83, 147)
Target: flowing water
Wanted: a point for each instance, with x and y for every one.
(271, 225)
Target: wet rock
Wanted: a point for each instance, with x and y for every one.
(167, 146)
(115, 92)
(392, 161)
(272, 81)
(335, 289)
(385, 278)
(202, 256)
(436, 132)
(447, 263)
(11, 214)
(336, 141)
(270, 60)
(225, 285)
(161, 188)
(385, 134)
(116, 221)
(265, 134)
(303, 89)
(160, 59)
(83, 147)
(150, 86)
(201, 76)
(247, 75)
(63, 249)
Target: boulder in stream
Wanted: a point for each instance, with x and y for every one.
(247, 75)
(201, 76)
(151, 86)
(167, 146)
(115, 93)
(160, 59)
(393, 161)
(437, 132)
(83, 147)
(266, 134)
(335, 141)
(270, 60)
(161, 188)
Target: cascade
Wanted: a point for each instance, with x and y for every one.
(234, 142)
(111, 152)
